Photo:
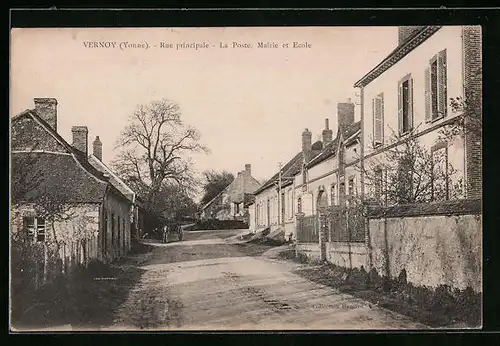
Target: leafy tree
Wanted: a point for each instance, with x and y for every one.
(215, 182)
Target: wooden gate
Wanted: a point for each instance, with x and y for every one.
(307, 230)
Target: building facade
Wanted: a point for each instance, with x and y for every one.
(70, 205)
(408, 98)
(230, 203)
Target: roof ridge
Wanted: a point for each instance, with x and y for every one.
(77, 155)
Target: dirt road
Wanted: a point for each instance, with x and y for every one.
(206, 283)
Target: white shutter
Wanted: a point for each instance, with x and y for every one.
(428, 110)
(442, 81)
(400, 108)
(410, 104)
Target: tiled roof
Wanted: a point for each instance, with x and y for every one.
(71, 177)
(61, 179)
(113, 179)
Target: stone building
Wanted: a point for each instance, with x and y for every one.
(229, 204)
(71, 204)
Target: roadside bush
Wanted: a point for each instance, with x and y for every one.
(287, 254)
(302, 257)
(214, 224)
(440, 306)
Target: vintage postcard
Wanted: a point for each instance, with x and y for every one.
(246, 178)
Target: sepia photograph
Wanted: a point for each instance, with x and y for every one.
(246, 178)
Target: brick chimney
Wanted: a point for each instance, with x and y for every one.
(345, 113)
(97, 148)
(248, 169)
(327, 133)
(47, 110)
(404, 32)
(306, 143)
(80, 138)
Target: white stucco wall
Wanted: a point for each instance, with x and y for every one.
(415, 63)
(433, 250)
(251, 218)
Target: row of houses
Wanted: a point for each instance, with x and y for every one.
(406, 98)
(73, 202)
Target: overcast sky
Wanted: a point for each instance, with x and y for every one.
(250, 104)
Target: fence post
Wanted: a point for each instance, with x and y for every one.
(298, 228)
(321, 235)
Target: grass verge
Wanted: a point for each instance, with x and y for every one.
(87, 297)
(439, 307)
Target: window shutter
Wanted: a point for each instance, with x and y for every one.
(428, 111)
(410, 104)
(442, 94)
(377, 119)
(400, 108)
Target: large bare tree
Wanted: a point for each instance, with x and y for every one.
(155, 151)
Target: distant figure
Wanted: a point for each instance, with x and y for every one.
(165, 232)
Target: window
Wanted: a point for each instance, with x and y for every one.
(351, 187)
(378, 120)
(342, 192)
(435, 88)
(405, 105)
(35, 227)
(440, 179)
(333, 194)
(299, 205)
(237, 208)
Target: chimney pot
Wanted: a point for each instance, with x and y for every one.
(80, 138)
(97, 148)
(404, 32)
(306, 143)
(327, 133)
(248, 168)
(345, 114)
(46, 108)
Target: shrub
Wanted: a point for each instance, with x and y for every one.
(214, 224)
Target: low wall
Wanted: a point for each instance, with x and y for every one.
(349, 255)
(433, 249)
(311, 250)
